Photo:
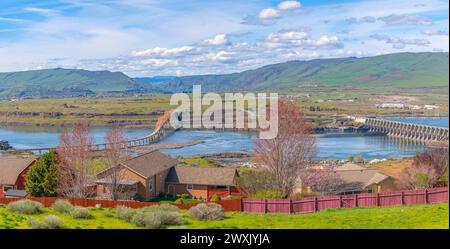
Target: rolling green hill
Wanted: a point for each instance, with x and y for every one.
(401, 70)
(68, 82)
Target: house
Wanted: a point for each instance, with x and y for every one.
(146, 176)
(13, 171)
(359, 180)
(201, 182)
(372, 180)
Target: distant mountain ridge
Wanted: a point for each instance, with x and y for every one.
(61, 82)
(400, 70)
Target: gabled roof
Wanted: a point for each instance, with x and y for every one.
(202, 176)
(354, 173)
(150, 164)
(11, 167)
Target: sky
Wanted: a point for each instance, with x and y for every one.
(186, 37)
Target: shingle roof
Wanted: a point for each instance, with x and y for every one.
(150, 164)
(11, 167)
(118, 181)
(355, 173)
(202, 176)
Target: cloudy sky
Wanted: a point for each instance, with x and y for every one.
(185, 37)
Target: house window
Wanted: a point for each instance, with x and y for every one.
(133, 188)
(150, 184)
(189, 186)
(221, 187)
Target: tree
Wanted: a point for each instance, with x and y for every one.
(256, 180)
(115, 152)
(42, 178)
(291, 151)
(427, 169)
(74, 164)
(326, 182)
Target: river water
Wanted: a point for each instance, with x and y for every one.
(368, 147)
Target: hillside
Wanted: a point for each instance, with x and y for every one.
(68, 82)
(401, 70)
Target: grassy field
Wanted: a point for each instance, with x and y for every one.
(406, 217)
(144, 110)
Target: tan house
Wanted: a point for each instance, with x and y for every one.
(372, 180)
(13, 171)
(366, 180)
(147, 175)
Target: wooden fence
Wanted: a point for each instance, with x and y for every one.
(228, 205)
(315, 204)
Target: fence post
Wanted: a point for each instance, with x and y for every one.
(340, 201)
(265, 206)
(356, 200)
(316, 204)
(426, 196)
(403, 198)
(291, 208)
(378, 199)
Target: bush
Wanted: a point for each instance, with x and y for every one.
(152, 220)
(183, 196)
(210, 211)
(37, 224)
(179, 201)
(53, 222)
(125, 213)
(109, 213)
(162, 207)
(62, 206)
(49, 222)
(215, 197)
(80, 213)
(25, 207)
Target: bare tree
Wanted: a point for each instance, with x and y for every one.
(74, 162)
(116, 152)
(291, 151)
(326, 182)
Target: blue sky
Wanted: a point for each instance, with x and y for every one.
(182, 37)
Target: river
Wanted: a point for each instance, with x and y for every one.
(368, 147)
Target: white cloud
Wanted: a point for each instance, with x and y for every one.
(286, 5)
(400, 43)
(269, 13)
(325, 41)
(163, 52)
(393, 19)
(218, 40)
(431, 32)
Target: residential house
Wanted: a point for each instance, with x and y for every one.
(146, 176)
(13, 171)
(365, 180)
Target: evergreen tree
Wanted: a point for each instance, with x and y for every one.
(41, 179)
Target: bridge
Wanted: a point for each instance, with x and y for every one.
(416, 132)
(163, 128)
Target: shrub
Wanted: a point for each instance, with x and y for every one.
(125, 213)
(152, 220)
(80, 213)
(179, 201)
(162, 207)
(62, 206)
(210, 211)
(37, 224)
(53, 222)
(215, 197)
(25, 207)
(109, 213)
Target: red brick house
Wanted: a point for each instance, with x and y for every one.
(146, 176)
(12, 172)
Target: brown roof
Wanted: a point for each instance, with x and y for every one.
(202, 176)
(355, 173)
(150, 164)
(11, 167)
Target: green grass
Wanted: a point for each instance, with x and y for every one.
(405, 217)
(197, 161)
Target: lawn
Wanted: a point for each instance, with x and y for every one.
(405, 217)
